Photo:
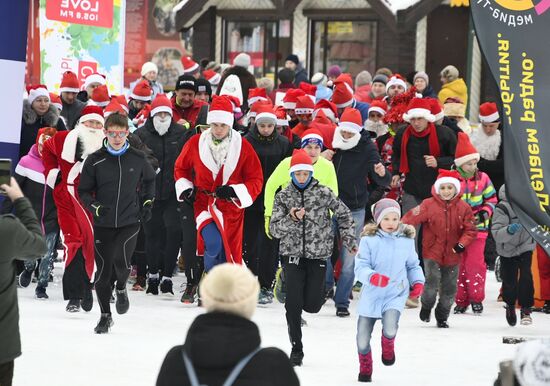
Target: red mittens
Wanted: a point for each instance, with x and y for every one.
(416, 290)
(379, 280)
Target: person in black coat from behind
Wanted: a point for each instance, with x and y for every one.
(260, 252)
(224, 338)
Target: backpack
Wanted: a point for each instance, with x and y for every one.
(232, 377)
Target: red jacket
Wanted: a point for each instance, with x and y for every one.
(445, 224)
(190, 114)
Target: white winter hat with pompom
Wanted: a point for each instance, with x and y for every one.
(230, 288)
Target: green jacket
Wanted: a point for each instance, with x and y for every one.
(323, 171)
(20, 238)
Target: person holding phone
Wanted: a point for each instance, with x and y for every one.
(20, 238)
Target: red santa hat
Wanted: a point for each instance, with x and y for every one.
(396, 80)
(447, 177)
(266, 115)
(94, 78)
(291, 97)
(419, 108)
(488, 112)
(312, 136)
(351, 121)
(221, 111)
(280, 113)
(100, 96)
(44, 134)
(465, 151)
(142, 116)
(69, 82)
(212, 76)
(189, 65)
(114, 107)
(300, 161)
(304, 105)
(342, 95)
(327, 107)
(56, 101)
(258, 106)
(142, 91)
(123, 102)
(255, 95)
(36, 91)
(379, 106)
(309, 89)
(435, 109)
(90, 113)
(161, 104)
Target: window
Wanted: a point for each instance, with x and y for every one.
(267, 42)
(349, 44)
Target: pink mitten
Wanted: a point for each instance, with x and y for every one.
(416, 290)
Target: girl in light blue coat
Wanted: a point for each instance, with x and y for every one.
(388, 266)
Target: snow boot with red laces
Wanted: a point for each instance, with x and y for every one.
(365, 367)
(388, 353)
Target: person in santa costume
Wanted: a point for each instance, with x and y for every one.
(140, 96)
(91, 82)
(63, 157)
(72, 107)
(222, 174)
(304, 113)
(289, 102)
(343, 97)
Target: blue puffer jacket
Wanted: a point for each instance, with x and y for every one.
(390, 254)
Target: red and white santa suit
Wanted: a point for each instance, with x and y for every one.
(63, 157)
(196, 168)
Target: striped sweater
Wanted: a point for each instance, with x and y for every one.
(479, 192)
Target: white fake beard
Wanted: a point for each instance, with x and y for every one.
(161, 125)
(91, 140)
(488, 146)
(379, 128)
(338, 142)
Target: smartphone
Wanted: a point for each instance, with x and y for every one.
(5, 172)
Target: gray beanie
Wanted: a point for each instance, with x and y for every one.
(450, 73)
(380, 78)
(319, 79)
(363, 78)
(421, 75)
(242, 60)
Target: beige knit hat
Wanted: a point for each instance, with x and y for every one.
(230, 288)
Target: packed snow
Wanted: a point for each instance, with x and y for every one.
(61, 348)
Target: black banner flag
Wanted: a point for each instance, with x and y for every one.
(514, 36)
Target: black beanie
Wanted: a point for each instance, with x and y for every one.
(293, 58)
(186, 82)
(202, 85)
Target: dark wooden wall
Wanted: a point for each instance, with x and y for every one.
(204, 35)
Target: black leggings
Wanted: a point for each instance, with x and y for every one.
(113, 248)
(194, 265)
(305, 290)
(6, 373)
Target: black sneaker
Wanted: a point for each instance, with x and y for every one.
(477, 308)
(442, 324)
(122, 302)
(88, 301)
(189, 294)
(460, 309)
(104, 324)
(152, 286)
(25, 278)
(73, 305)
(166, 286)
(546, 307)
(364, 378)
(425, 314)
(40, 293)
(342, 312)
(526, 319)
(296, 357)
(511, 316)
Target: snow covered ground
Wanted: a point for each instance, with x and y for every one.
(61, 348)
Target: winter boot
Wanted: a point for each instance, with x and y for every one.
(265, 296)
(460, 309)
(357, 286)
(25, 277)
(88, 301)
(342, 312)
(166, 286)
(425, 314)
(140, 284)
(365, 367)
(152, 286)
(511, 316)
(442, 323)
(189, 294)
(280, 286)
(525, 314)
(477, 308)
(388, 352)
(104, 324)
(73, 305)
(40, 293)
(122, 302)
(296, 357)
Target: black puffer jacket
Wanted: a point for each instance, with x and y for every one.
(215, 343)
(119, 183)
(354, 167)
(271, 151)
(166, 150)
(32, 122)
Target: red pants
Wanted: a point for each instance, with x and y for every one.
(544, 273)
(471, 276)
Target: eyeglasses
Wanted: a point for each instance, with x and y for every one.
(119, 134)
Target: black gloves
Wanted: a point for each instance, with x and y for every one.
(146, 211)
(225, 192)
(188, 195)
(100, 210)
(459, 248)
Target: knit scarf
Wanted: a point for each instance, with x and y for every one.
(219, 148)
(118, 152)
(432, 140)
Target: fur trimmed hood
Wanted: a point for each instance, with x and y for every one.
(30, 116)
(404, 230)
